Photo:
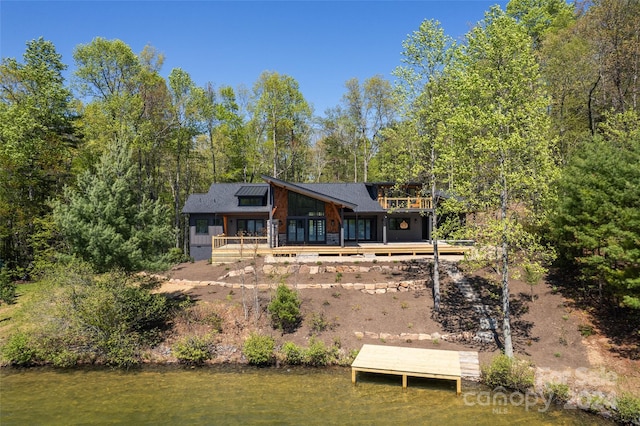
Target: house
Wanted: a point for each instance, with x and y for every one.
(289, 213)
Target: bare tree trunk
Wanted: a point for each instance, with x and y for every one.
(213, 154)
(506, 324)
(434, 235)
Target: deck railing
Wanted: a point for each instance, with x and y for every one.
(243, 240)
(390, 203)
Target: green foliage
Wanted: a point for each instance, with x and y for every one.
(193, 350)
(19, 350)
(38, 141)
(628, 409)
(285, 309)
(586, 330)
(259, 349)
(558, 391)
(175, 256)
(293, 354)
(319, 323)
(7, 287)
(108, 222)
(317, 354)
(597, 221)
(82, 318)
(282, 116)
(508, 372)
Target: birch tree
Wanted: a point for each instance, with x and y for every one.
(281, 116)
(426, 52)
(501, 110)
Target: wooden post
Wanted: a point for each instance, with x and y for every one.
(404, 381)
(458, 386)
(353, 375)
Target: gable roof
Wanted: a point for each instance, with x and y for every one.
(312, 190)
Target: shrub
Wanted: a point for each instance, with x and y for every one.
(316, 354)
(176, 255)
(83, 318)
(19, 350)
(628, 411)
(559, 392)
(193, 350)
(508, 372)
(285, 309)
(293, 354)
(259, 349)
(318, 323)
(586, 330)
(7, 287)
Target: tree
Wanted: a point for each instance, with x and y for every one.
(336, 142)
(597, 222)
(128, 105)
(227, 147)
(281, 118)
(503, 146)
(109, 221)
(540, 16)
(426, 53)
(38, 139)
(369, 108)
(181, 159)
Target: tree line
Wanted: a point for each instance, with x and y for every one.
(530, 123)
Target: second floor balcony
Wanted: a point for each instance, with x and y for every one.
(411, 203)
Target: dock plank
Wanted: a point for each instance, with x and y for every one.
(416, 362)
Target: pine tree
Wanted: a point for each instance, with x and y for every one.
(109, 222)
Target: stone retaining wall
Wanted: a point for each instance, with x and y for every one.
(377, 288)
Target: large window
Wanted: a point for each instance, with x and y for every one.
(202, 226)
(252, 201)
(301, 205)
(399, 223)
(360, 229)
(295, 230)
(316, 230)
(254, 227)
(306, 230)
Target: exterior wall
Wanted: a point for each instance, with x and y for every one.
(200, 252)
(281, 203)
(414, 233)
(200, 244)
(333, 239)
(332, 214)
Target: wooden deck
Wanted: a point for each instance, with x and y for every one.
(405, 362)
(246, 250)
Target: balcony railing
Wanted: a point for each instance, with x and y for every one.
(391, 203)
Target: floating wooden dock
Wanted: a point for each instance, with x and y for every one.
(405, 362)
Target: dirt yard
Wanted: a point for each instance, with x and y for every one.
(546, 327)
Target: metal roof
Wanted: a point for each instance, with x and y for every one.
(252, 191)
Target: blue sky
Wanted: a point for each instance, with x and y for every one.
(321, 44)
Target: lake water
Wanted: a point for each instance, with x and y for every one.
(251, 396)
